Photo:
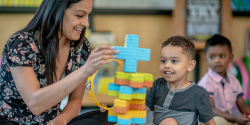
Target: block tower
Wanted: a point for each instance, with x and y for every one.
(130, 87)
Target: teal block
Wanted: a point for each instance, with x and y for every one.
(140, 90)
(131, 53)
(112, 118)
(113, 86)
(138, 121)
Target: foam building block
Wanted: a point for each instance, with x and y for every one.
(134, 80)
(123, 106)
(126, 92)
(131, 53)
(131, 117)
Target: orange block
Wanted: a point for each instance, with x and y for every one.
(122, 82)
(121, 110)
(136, 106)
(136, 84)
(148, 83)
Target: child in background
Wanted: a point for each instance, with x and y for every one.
(224, 88)
(173, 99)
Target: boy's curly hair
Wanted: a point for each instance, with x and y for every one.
(187, 45)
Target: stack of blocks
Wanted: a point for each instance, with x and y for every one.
(130, 87)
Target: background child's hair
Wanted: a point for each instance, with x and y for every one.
(180, 41)
(218, 40)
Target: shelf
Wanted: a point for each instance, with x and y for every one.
(18, 9)
(199, 45)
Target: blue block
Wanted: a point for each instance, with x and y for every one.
(131, 53)
(113, 86)
(124, 121)
(138, 121)
(126, 90)
(140, 90)
(112, 118)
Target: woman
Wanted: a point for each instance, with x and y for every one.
(48, 60)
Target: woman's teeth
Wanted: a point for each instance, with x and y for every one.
(78, 29)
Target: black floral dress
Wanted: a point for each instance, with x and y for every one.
(23, 49)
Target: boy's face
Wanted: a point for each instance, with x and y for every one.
(174, 64)
(218, 57)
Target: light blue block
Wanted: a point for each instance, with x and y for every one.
(113, 86)
(138, 120)
(124, 121)
(131, 53)
(126, 90)
(140, 90)
(112, 118)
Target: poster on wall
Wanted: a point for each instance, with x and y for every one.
(240, 5)
(203, 19)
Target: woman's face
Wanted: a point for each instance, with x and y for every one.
(76, 19)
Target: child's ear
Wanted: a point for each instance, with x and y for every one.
(232, 57)
(191, 66)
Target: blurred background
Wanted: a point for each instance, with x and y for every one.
(154, 21)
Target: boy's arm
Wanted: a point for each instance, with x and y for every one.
(242, 106)
(147, 109)
(210, 122)
(240, 119)
(218, 112)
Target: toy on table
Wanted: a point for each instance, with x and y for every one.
(129, 86)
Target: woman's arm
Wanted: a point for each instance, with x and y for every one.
(40, 99)
(72, 109)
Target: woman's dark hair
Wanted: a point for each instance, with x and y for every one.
(46, 23)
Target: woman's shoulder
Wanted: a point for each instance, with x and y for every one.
(22, 37)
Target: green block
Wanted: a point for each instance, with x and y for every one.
(138, 96)
(122, 75)
(113, 93)
(125, 96)
(136, 77)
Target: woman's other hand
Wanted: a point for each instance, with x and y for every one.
(59, 120)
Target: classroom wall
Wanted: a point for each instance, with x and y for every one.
(9, 24)
(152, 29)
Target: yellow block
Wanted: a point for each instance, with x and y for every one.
(139, 113)
(122, 75)
(111, 112)
(136, 77)
(104, 84)
(135, 101)
(121, 103)
(127, 115)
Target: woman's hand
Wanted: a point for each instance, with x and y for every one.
(98, 56)
(59, 120)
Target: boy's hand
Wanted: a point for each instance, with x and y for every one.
(242, 119)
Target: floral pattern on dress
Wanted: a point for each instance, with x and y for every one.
(23, 49)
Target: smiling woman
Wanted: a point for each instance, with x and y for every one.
(46, 61)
